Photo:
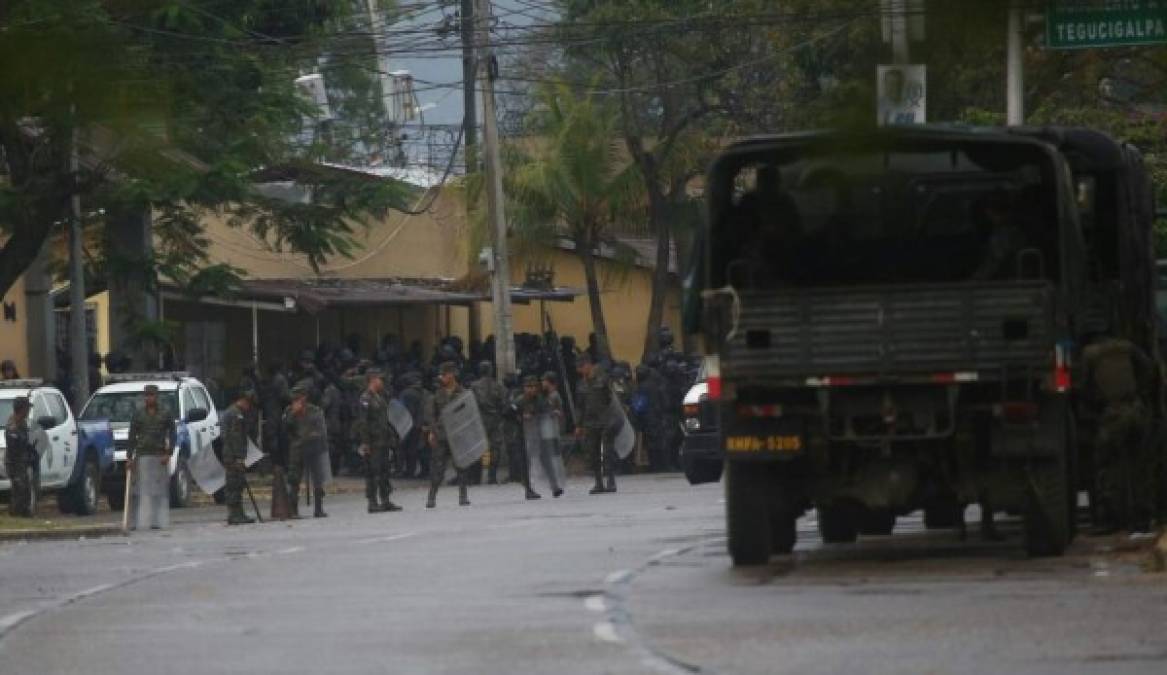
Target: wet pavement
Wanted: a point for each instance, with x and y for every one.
(636, 582)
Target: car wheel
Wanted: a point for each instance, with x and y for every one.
(83, 497)
(747, 514)
(699, 472)
(180, 486)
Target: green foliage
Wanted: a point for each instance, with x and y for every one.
(178, 105)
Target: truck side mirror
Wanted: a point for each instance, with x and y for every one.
(47, 422)
(196, 415)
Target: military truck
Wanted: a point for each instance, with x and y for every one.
(890, 319)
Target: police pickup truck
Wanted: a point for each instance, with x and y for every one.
(74, 455)
(196, 420)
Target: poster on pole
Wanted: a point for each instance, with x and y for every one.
(903, 94)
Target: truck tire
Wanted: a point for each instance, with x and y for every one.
(783, 531)
(1047, 514)
(180, 486)
(877, 522)
(837, 524)
(84, 495)
(698, 472)
(747, 514)
(942, 515)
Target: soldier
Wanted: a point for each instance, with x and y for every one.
(533, 407)
(333, 405)
(20, 455)
(595, 400)
(436, 436)
(307, 446)
(151, 443)
(1118, 375)
(376, 438)
(492, 400)
(234, 421)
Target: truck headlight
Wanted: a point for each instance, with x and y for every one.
(692, 424)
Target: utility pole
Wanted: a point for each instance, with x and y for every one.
(900, 53)
(1014, 68)
(501, 287)
(78, 342)
(469, 99)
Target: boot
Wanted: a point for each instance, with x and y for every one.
(293, 502)
(463, 497)
(238, 517)
(432, 500)
(557, 492)
(374, 507)
(492, 476)
(531, 494)
(598, 489)
(319, 512)
(611, 487)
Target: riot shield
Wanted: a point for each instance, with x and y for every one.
(465, 432)
(399, 418)
(253, 454)
(620, 430)
(544, 461)
(205, 469)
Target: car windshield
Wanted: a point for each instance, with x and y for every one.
(119, 407)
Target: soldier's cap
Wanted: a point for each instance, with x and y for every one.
(374, 372)
(301, 389)
(530, 381)
(249, 394)
(20, 404)
(551, 377)
(151, 389)
(448, 368)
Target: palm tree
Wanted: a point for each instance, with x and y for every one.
(577, 184)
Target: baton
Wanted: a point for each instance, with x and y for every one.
(126, 503)
(254, 505)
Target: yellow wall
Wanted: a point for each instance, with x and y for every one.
(14, 334)
(626, 295)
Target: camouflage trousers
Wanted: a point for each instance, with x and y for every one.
(378, 466)
(20, 494)
(441, 457)
(498, 445)
(233, 490)
(1127, 467)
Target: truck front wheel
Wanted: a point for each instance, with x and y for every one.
(747, 514)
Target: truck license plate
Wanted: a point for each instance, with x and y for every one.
(763, 444)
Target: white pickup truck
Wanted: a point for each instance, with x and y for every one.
(196, 420)
(73, 455)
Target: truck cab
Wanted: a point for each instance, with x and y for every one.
(73, 455)
(196, 425)
(890, 320)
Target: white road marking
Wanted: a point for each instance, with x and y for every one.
(382, 540)
(595, 603)
(92, 591)
(618, 577)
(12, 620)
(605, 631)
(180, 566)
(667, 553)
(290, 550)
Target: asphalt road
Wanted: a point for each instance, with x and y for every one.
(636, 582)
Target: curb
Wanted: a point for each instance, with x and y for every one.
(50, 535)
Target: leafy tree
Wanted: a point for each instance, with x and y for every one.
(176, 105)
(576, 183)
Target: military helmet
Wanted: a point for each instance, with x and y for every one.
(302, 388)
(664, 336)
(551, 377)
(530, 381)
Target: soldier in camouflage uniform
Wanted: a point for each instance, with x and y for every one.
(151, 439)
(307, 434)
(234, 422)
(1118, 375)
(595, 400)
(436, 436)
(492, 401)
(18, 457)
(378, 441)
(333, 405)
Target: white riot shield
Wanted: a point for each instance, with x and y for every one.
(465, 432)
(153, 491)
(253, 454)
(205, 469)
(624, 439)
(399, 418)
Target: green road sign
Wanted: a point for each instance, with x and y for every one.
(1081, 24)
